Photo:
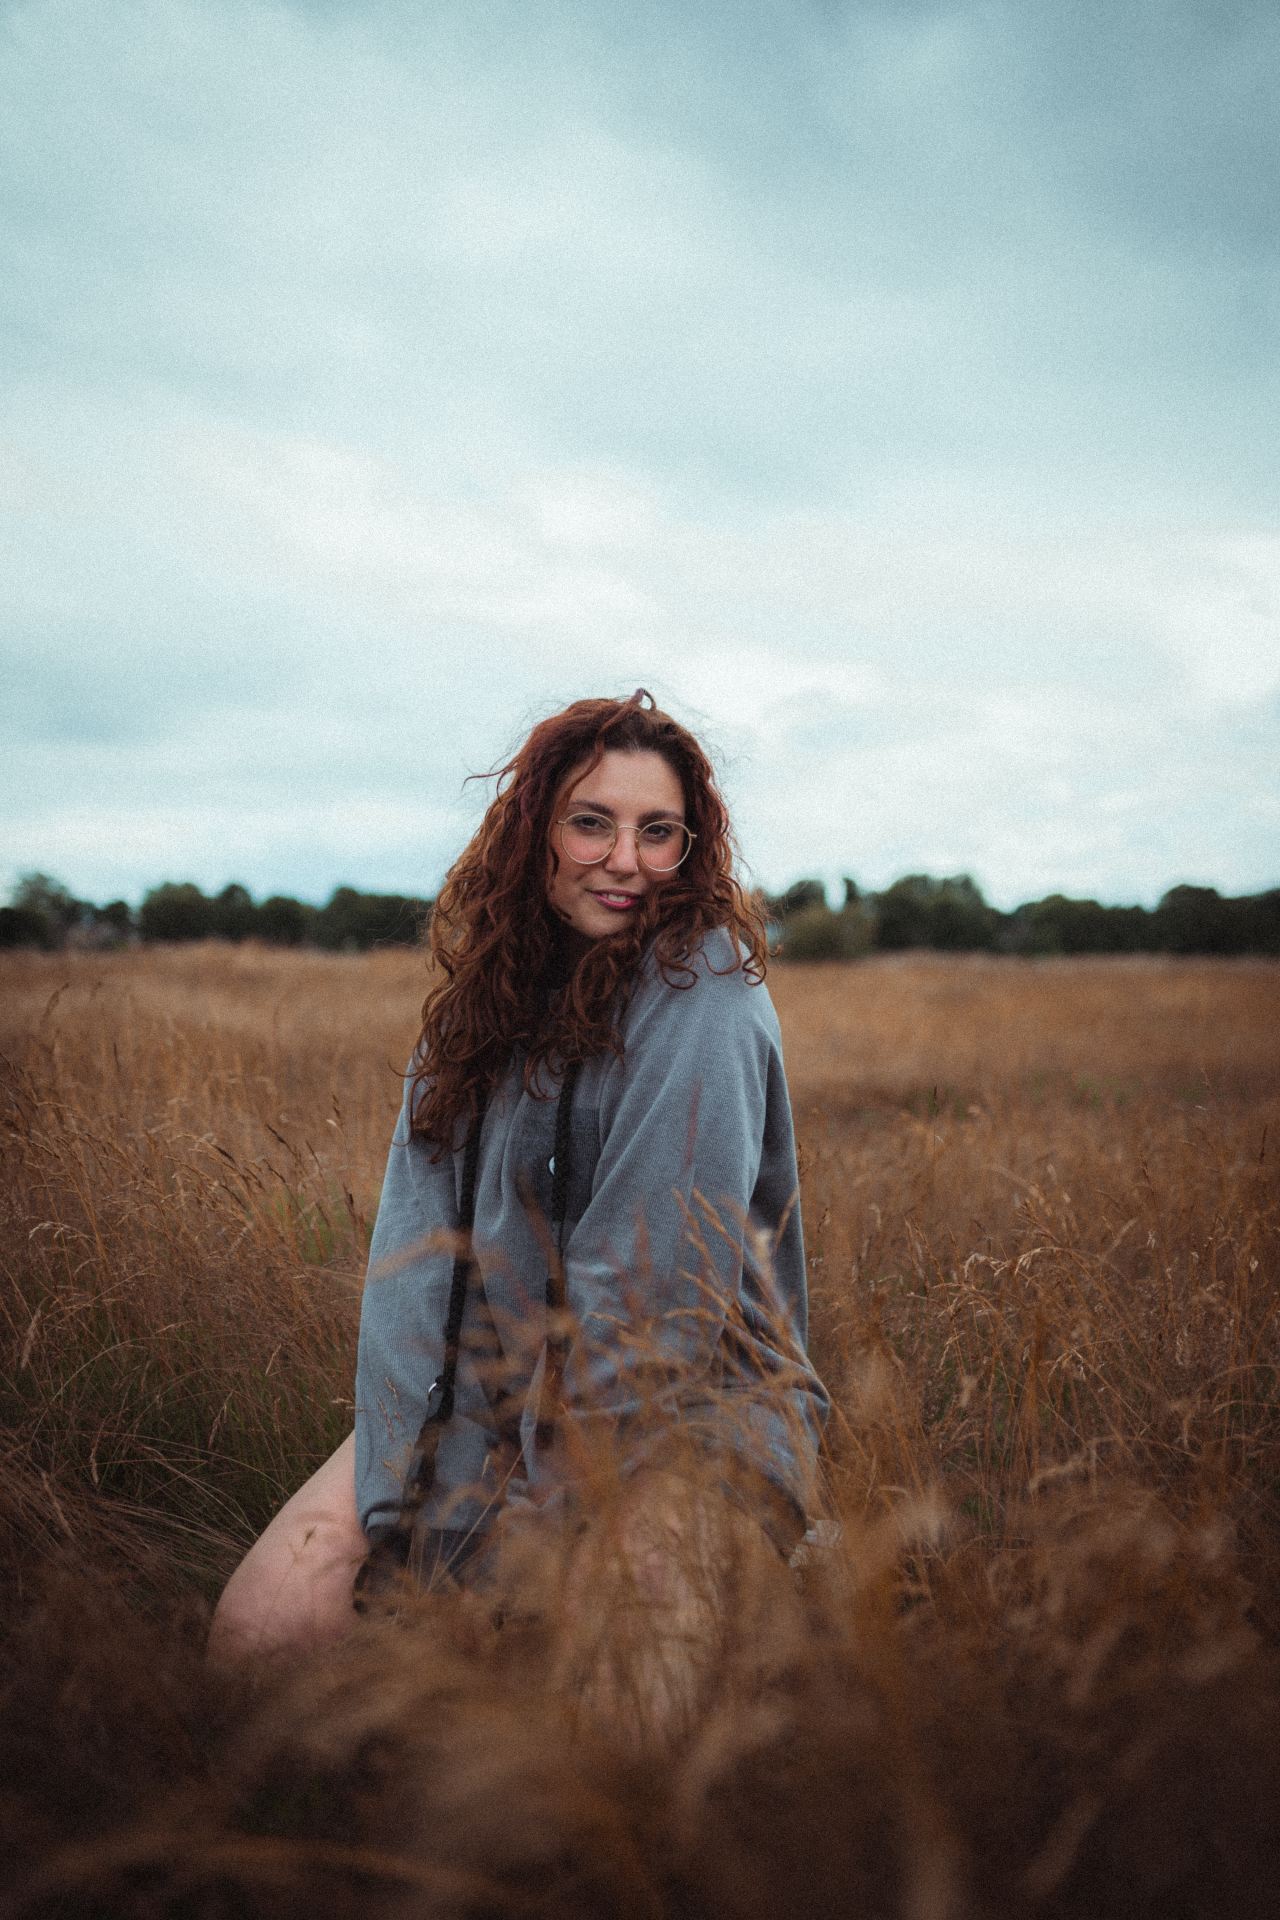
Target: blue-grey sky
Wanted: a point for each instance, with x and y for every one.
(891, 388)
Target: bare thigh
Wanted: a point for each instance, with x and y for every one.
(673, 1598)
(293, 1587)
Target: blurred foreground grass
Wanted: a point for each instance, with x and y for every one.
(1037, 1675)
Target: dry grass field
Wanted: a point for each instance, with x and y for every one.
(1037, 1674)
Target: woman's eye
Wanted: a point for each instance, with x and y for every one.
(589, 823)
(658, 834)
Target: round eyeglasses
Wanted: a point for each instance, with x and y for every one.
(660, 844)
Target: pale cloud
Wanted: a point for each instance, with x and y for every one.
(889, 388)
(1224, 623)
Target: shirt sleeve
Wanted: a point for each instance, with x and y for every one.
(401, 1346)
(667, 1272)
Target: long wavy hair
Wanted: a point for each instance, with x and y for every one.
(509, 983)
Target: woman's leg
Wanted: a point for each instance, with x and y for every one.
(672, 1597)
(293, 1587)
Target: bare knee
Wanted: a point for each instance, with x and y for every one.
(678, 1537)
(293, 1587)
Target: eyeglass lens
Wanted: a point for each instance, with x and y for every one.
(660, 844)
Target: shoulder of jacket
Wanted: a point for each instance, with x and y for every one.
(710, 987)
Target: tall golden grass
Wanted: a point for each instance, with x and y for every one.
(1035, 1674)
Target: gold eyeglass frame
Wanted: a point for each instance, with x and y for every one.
(689, 839)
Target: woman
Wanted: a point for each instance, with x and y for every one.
(601, 1037)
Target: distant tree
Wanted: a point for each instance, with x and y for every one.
(50, 903)
(1259, 918)
(1031, 931)
(1201, 920)
(903, 911)
(797, 897)
(118, 915)
(816, 933)
(812, 933)
(232, 913)
(1197, 920)
(779, 909)
(951, 914)
(1128, 930)
(175, 911)
(283, 921)
(24, 927)
(352, 921)
(860, 925)
(1057, 924)
(961, 920)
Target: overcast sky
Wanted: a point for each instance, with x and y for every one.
(893, 389)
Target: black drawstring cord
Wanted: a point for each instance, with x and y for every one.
(392, 1542)
(442, 1409)
(557, 1336)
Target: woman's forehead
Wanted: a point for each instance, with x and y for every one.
(640, 782)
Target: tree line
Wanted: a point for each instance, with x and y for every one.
(948, 915)
(951, 916)
(44, 913)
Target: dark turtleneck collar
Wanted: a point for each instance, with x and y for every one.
(569, 947)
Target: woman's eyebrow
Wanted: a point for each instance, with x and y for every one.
(599, 806)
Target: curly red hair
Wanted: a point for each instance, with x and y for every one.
(500, 951)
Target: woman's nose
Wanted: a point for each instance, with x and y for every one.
(624, 858)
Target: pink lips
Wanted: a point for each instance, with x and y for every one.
(617, 902)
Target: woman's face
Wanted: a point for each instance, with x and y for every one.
(629, 790)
